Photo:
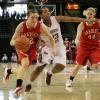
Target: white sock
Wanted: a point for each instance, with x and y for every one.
(49, 71)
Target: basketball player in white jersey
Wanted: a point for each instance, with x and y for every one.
(44, 54)
(59, 62)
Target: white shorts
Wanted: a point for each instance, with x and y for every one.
(47, 56)
(61, 58)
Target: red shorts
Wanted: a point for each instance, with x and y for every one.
(31, 54)
(83, 54)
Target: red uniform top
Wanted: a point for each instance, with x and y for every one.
(90, 35)
(67, 45)
(32, 34)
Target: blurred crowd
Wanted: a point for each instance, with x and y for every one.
(6, 59)
(13, 15)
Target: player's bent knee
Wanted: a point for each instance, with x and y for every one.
(26, 65)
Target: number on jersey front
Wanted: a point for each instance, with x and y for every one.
(56, 37)
(92, 37)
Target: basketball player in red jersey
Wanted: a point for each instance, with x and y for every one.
(87, 42)
(31, 28)
(59, 61)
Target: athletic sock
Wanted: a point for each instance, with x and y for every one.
(71, 78)
(9, 71)
(19, 82)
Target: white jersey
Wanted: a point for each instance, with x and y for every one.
(56, 33)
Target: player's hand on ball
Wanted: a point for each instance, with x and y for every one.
(22, 43)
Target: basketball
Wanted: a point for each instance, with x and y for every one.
(22, 43)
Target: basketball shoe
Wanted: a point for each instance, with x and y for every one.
(69, 83)
(18, 91)
(28, 88)
(48, 78)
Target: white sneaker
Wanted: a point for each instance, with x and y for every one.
(6, 75)
(69, 89)
(69, 83)
(18, 91)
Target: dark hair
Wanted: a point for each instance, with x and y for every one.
(31, 9)
(40, 10)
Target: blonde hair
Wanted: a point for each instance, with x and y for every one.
(90, 9)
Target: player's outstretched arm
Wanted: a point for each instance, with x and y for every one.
(70, 19)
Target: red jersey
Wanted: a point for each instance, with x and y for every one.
(90, 35)
(67, 45)
(32, 34)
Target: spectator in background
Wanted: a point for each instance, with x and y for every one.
(5, 58)
(18, 16)
(68, 50)
(73, 50)
(14, 57)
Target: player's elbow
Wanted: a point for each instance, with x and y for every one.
(12, 43)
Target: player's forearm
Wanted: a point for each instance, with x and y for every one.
(52, 43)
(73, 19)
(77, 19)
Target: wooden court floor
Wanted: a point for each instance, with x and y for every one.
(86, 86)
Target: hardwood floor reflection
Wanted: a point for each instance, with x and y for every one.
(86, 86)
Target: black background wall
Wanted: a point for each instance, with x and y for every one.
(5, 47)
